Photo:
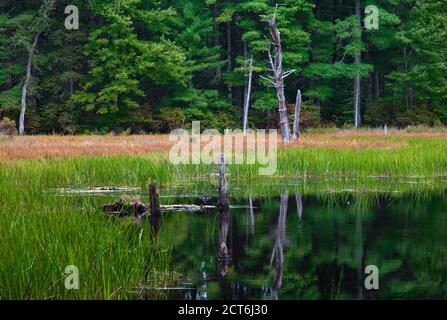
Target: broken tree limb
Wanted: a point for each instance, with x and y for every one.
(296, 120)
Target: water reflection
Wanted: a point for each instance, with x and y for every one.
(278, 248)
(271, 250)
(224, 252)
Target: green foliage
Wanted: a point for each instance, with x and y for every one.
(10, 99)
(130, 59)
(170, 119)
(310, 116)
(123, 62)
(416, 116)
(380, 113)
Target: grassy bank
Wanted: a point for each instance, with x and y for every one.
(334, 155)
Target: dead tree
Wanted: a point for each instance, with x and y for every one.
(47, 7)
(154, 207)
(247, 97)
(223, 207)
(296, 119)
(278, 78)
(223, 201)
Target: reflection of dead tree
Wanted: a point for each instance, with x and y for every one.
(223, 207)
(360, 255)
(251, 220)
(299, 205)
(278, 248)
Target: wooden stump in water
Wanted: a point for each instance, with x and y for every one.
(223, 201)
(154, 206)
(223, 207)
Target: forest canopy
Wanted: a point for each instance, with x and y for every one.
(152, 66)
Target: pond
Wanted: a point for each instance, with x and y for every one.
(286, 245)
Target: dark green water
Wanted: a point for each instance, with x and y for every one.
(311, 247)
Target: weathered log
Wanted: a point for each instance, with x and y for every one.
(185, 207)
(123, 208)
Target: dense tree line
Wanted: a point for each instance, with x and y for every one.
(146, 65)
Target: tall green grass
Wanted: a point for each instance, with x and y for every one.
(423, 158)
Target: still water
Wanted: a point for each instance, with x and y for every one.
(291, 246)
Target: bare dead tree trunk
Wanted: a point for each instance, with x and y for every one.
(154, 207)
(223, 207)
(26, 83)
(279, 76)
(296, 120)
(245, 59)
(247, 97)
(357, 80)
(223, 201)
(29, 67)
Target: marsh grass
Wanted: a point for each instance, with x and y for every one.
(42, 232)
